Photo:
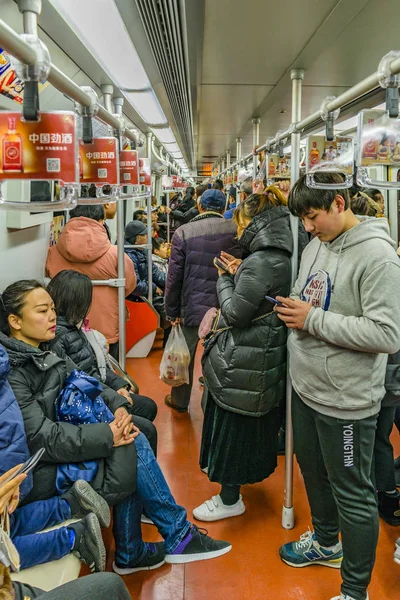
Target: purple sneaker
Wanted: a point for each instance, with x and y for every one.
(197, 545)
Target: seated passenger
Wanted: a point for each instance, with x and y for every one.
(128, 476)
(82, 538)
(136, 234)
(84, 246)
(160, 255)
(72, 293)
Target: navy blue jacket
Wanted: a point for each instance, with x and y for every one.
(139, 259)
(191, 287)
(13, 442)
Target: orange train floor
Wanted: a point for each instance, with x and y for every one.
(253, 569)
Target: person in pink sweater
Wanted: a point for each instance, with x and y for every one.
(84, 246)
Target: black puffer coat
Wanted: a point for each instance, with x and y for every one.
(72, 342)
(37, 377)
(245, 369)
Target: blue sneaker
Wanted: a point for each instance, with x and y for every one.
(307, 552)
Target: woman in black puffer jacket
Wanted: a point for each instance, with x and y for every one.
(244, 364)
(72, 296)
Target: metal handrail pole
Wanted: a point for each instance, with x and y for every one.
(256, 141)
(16, 46)
(297, 76)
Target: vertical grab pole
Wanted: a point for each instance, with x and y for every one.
(297, 76)
(238, 149)
(149, 138)
(121, 277)
(256, 142)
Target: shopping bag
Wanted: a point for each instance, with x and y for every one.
(174, 368)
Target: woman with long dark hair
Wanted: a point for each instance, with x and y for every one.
(72, 296)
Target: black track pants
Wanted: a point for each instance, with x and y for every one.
(335, 457)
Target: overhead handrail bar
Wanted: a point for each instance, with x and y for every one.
(163, 161)
(14, 45)
(359, 89)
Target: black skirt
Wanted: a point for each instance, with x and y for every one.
(238, 449)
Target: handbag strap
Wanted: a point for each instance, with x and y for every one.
(231, 326)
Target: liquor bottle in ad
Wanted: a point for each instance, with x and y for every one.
(314, 155)
(12, 149)
(271, 167)
(370, 148)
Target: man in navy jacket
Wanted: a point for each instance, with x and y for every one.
(191, 288)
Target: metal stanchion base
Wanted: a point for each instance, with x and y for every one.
(288, 517)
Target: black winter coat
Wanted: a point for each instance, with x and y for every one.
(71, 341)
(37, 377)
(245, 369)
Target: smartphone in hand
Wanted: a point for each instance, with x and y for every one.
(27, 466)
(273, 300)
(218, 263)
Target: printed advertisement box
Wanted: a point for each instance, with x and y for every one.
(145, 171)
(44, 150)
(129, 167)
(98, 161)
(334, 156)
(378, 138)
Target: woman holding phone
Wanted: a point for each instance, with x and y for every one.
(244, 362)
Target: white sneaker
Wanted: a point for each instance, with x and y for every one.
(346, 597)
(396, 557)
(215, 509)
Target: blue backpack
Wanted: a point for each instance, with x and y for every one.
(80, 403)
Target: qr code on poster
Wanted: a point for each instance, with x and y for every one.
(53, 165)
(127, 176)
(102, 173)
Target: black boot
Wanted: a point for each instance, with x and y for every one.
(389, 507)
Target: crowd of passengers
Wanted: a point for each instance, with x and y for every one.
(343, 317)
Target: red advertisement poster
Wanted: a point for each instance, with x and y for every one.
(44, 150)
(145, 171)
(129, 167)
(98, 161)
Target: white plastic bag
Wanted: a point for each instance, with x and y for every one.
(174, 368)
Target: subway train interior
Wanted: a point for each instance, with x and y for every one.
(199, 242)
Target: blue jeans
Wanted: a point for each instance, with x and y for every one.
(154, 495)
(37, 548)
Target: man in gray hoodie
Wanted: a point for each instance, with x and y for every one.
(344, 316)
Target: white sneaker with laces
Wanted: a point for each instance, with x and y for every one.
(346, 597)
(215, 509)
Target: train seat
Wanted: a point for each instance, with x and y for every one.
(141, 328)
(52, 574)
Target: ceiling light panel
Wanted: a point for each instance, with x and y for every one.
(164, 135)
(99, 24)
(147, 107)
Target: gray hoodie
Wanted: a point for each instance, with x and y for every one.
(338, 360)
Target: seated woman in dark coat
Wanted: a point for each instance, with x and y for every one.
(128, 475)
(244, 363)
